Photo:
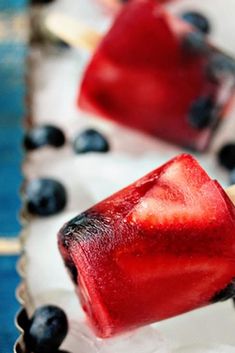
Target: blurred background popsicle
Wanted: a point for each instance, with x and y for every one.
(154, 72)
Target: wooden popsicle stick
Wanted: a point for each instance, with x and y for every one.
(230, 191)
(72, 32)
(10, 246)
(78, 35)
(113, 4)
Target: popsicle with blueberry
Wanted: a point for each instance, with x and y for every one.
(156, 73)
(158, 248)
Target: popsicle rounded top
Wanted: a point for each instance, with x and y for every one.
(158, 248)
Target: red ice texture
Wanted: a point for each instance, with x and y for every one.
(160, 247)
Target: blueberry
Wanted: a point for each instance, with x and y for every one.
(41, 2)
(197, 20)
(48, 329)
(59, 351)
(225, 294)
(202, 113)
(72, 270)
(232, 177)
(226, 156)
(195, 43)
(45, 197)
(90, 140)
(44, 135)
(62, 44)
(86, 226)
(220, 66)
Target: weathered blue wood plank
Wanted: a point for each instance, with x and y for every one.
(12, 5)
(8, 303)
(12, 112)
(13, 51)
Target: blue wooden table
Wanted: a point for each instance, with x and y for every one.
(13, 50)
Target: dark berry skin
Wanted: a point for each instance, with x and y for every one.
(41, 2)
(194, 43)
(202, 113)
(46, 135)
(48, 329)
(85, 226)
(45, 197)
(72, 271)
(220, 66)
(90, 141)
(226, 156)
(232, 177)
(60, 351)
(225, 294)
(196, 19)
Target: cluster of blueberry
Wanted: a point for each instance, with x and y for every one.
(48, 327)
(46, 330)
(88, 140)
(45, 197)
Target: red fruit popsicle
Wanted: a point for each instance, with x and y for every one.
(158, 248)
(154, 73)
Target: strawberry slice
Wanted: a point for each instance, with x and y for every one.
(179, 197)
